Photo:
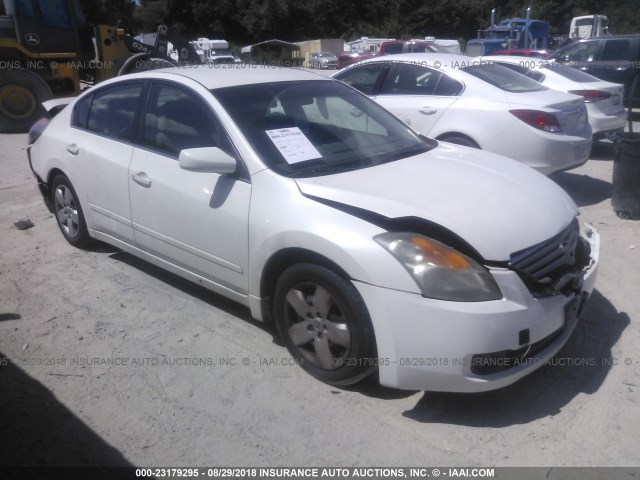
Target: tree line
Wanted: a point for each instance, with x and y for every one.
(243, 22)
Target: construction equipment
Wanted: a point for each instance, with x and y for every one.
(48, 50)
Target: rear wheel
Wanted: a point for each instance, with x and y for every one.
(68, 212)
(325, 324)
(21, 95)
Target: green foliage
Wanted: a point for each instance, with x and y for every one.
(109, 12)
(248, 21)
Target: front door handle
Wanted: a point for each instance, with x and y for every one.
(428, 110)
(73, 149)
(141, 179)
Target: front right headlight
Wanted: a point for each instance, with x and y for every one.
(441, 272)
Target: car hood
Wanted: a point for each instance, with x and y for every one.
(496, 204)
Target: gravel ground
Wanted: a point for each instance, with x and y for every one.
(201, 384)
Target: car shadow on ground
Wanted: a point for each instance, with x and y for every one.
(583, 189)
(39, 431)
(369, 387)
(194, 290)
(579, 368)
(599, 329)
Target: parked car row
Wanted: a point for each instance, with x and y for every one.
(481, 105)
(373, 248)
(614, 58)
(604, 100)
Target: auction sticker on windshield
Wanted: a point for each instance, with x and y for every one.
(293, 144)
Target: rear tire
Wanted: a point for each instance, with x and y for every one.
(325, 324)
(68, 212)
(21, 95)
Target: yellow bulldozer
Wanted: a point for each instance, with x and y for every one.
(47, 50)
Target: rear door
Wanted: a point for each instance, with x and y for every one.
(100, 146)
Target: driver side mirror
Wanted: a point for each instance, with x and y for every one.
(207, 159)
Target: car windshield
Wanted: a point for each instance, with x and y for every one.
(503, 78)
(312, 128)
(493, 35)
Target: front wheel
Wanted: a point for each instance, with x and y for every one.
(21, 95)
(68, 212)
(325, 324)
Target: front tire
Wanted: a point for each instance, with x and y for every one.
(68, 212)
(21, 95)
(325, 324)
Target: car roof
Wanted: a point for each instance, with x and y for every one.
(604, 37)
(229, 75)
(523, 61)
(443, 60)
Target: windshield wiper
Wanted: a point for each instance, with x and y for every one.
(326, 169)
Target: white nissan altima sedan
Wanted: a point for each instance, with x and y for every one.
(370, 247)
(483, 105)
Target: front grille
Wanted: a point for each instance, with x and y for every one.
(554, 265)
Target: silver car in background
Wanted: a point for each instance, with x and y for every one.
(323, 60)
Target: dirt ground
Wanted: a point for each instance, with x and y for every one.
(198, 383)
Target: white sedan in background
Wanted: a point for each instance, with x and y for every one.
(482, 105)
(604, 100)
(369, 246)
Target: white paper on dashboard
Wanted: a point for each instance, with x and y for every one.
(293, 144)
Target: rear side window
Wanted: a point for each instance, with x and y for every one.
(503, 78)
(81, 112)
(113, 110)
(618, 49)
(572, 73)
(527, 72)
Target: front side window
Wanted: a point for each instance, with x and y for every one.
(408, 79)
(25, 8)
(55, 14)
(176, 120)
(365, 77)
(311, 128)
(113, 110)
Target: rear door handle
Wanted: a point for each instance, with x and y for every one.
(73, 149)
(428, 110)
(141, 179)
